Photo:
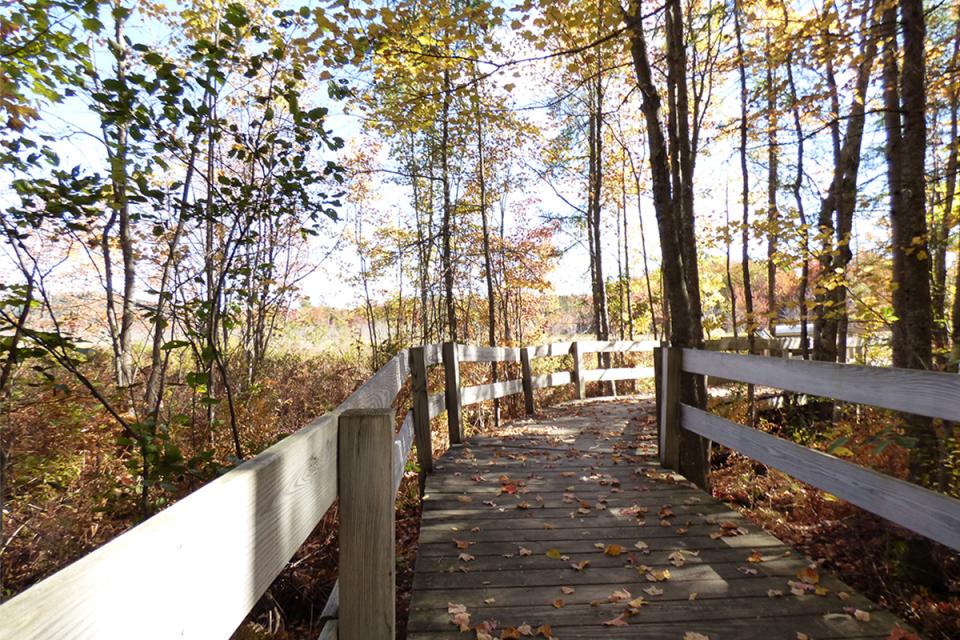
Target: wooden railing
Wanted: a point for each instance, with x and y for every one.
(196, 569)
(925, 393)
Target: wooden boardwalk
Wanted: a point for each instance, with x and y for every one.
(568, 521)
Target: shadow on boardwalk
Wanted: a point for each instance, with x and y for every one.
(568, 521)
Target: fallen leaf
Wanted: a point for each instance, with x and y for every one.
(653, 591)
(567, 590)
(612, 550)
(641, 545)
(774, 593)
(580, 566)
(466, 557)
(658, 575)
(676, 559)
(523, 505)
(619, 595)
(525, 629)
(464, 499)
(510, 633)
(459, 616)
(693, 635)
(693, 596)
(748, 571)
(619, 621)
(636, 603)
(524, 552)
(545, 631)
(558, 603)
(553, 554)
(755, 557)
(808, 575)
(462, 544)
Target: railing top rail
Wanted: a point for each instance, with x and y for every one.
(928, 393)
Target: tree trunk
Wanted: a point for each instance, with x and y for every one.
(745, 182)
(447, 224)
(686, 324)
(773, 215)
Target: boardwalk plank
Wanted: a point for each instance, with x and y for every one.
(604, 454)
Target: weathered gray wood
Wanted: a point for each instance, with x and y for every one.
(432, 354)
(474, 353)
(451, 370)
(437, 403)
(617, 373)
(578, 369)
(615, 346)
(496, 581)
(231, 537)
(556, 379)
(670, 369)
(527, 385)
(552, 350)
(330, 631)
(657, 367)
(928, 393)
(480, 392)
(367, 550)
(402, 444)
(329, 614)
(926, 512)
(382, 388)
(421, 408)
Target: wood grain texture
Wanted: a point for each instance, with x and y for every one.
(926, 512)
(927, 393)
(421, 408)
(526, 374)
(232, 537)
(480, 392)
(402, 444)
(556, 379)
(437, 403)
(451, 373)
(432, 354)
(616, 346)
(466, 507)
(670, 369)
(552, 350)
(617, 373)
(367, 549)
(474, 353)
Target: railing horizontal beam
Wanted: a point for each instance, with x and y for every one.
(616, 373)
(473, 353)
(926, 512)
(480, 392)
(927, 393)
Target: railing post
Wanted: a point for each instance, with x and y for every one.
(367, 548)
(527, 380)
(421, 413)
(657, 361)
(577, 371)
(451, 372)
(670, 407)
